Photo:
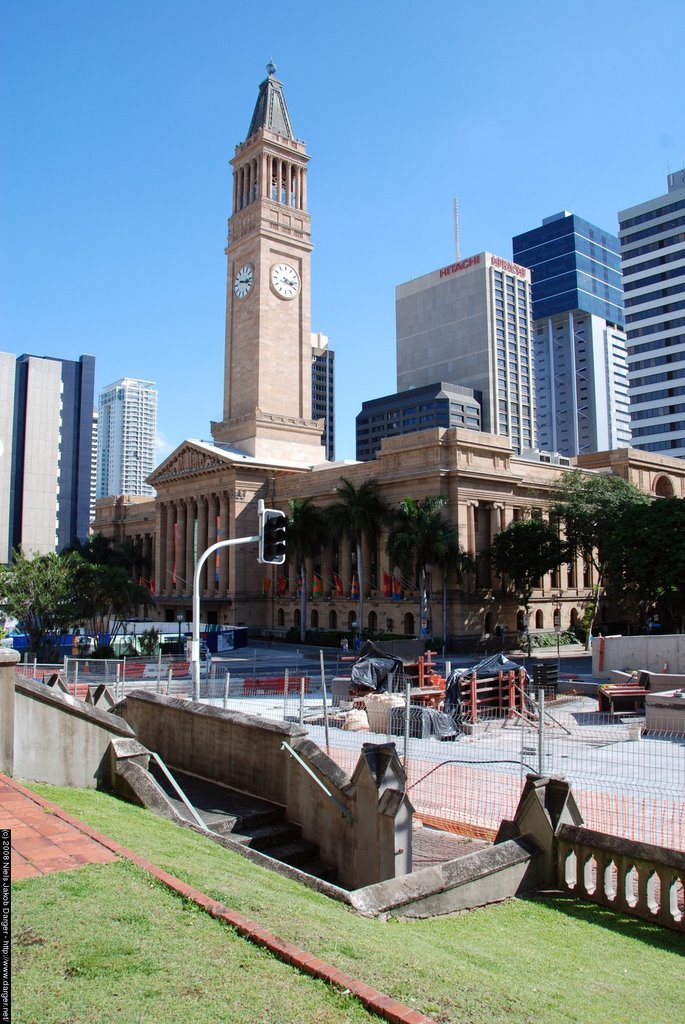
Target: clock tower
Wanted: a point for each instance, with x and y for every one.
(267, 372)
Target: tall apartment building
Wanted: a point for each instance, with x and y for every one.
(652, 237)
(470, 324)
(46, 438)
(323, 390)
(127, 432)
(436, 405)
(581, 364)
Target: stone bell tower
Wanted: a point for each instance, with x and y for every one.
(267, 372)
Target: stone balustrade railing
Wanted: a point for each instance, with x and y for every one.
(633, 878)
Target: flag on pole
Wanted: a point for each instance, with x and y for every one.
(354, 590)
(299, 586)
(387, 584)
(338, 584)
(266, 586)
(282, 585)
(396, 589)
(317, 586)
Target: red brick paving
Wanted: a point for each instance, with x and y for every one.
(45, 838)
(41, 841)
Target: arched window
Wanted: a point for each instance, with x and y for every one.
(539, 620)
(574, 618)
(487, 626)
(373, 622)
(557, 618)
(297, 618)
(315, 618)
(332, 620)
(409, 624)
(280, 617)
(351, 620)
(521, 620)
(663, 488)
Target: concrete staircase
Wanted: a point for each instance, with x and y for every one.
(246, 819)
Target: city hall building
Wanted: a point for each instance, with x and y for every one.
(268, 445)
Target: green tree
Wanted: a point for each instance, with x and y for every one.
(39, 593)
(524, 552)
(359, 513)
(589, 507)
(647, 549)
(451, 558)
(419, 537)
(105, 596)
(307, 530)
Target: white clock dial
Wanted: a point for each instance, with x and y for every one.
(285, 280)
(244, 280)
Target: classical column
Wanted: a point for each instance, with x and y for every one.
(202, 538)
(327, 570)
(190, 545)
(225, 535)
(181, 524)
(346, 563)
(213, 535)
(166, 582)
(160, 548)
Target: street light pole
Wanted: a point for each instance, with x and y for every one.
(557, 626)
(179, 619)
(195, 642)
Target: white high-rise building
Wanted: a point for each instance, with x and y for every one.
(127, 429)
(470, 324)
(652, 237)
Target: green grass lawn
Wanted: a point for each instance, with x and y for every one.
(541, 961)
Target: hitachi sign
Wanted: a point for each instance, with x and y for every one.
(454, 268)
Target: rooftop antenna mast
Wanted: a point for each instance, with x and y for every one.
(455, 215)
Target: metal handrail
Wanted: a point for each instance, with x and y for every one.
(203, 825)
(345, 811)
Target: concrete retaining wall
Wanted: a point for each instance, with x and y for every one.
(61, 740)
(245, 752)
(631, 653)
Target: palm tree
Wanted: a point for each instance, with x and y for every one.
(306, 532)
(418, 537)
(359, 512)
(450, 556)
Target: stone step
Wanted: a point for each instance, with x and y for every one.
(295, 852)
(270, 835)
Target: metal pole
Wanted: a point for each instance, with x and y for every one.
(541, 730)
(407, 712)
(301, 700)
(285, 694)
(325, 702)
(227, 684)
(195, 642)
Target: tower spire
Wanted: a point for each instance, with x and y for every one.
(270, 109)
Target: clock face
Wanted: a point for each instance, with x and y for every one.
(285, 280)
(244, 280)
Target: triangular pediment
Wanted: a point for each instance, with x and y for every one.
(188, 460)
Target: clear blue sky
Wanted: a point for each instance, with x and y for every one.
(120, 118)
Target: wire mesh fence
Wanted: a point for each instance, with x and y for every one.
(465, 774)
(627, 782)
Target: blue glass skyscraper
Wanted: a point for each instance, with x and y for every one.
(580, 351)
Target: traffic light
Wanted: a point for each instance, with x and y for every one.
(272, 525)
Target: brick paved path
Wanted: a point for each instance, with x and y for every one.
(42, 842)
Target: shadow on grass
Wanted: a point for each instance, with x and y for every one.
(630, 927)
